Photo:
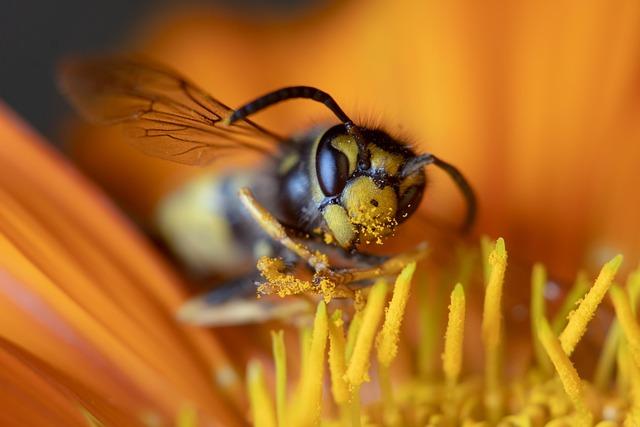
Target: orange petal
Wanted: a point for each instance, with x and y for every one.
(86, 293)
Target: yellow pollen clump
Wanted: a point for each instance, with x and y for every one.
(399, 392)
(278, 282)
(373, 224)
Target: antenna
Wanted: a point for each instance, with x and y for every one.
(291, 92)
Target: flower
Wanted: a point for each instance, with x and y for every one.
(534, 102)
(549, 392)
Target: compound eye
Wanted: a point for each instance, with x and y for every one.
(409, 202)
(332, 167)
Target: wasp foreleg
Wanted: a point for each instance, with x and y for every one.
(316, 259)
(390, 266)
(326, 281)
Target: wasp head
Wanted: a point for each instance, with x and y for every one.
(369, 182)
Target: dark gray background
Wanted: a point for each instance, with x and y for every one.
(34, 35)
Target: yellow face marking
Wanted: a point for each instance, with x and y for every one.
(371, 208)
(338, 222)
(383, 160)
(347, 144)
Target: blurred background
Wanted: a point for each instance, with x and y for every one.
(537, 102)
(35, 35)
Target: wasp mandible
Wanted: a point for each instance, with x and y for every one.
(335, 187)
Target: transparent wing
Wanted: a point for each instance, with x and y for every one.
(163, 114)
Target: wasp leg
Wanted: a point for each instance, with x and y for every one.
(391, 266)
(365, 258)
(319, 261)
(229, 305)
(316, 259)
(234, 289)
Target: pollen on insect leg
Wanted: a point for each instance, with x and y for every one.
(278, 281)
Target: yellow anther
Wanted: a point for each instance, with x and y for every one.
(453, 340)
(492, 329)
(337, 363)
(280, 358)
(627, 321)
(492, 314)
(387, 341)
(578, 321)
(359, 363)
(577, 292)
(306, 409)
(538, 282)
(262, 411)
(567, 373)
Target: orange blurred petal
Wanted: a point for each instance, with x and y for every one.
(35, 394)
(86, 293)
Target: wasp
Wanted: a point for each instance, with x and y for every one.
(332, 188)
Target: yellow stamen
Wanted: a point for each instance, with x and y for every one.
(578, 321)
(567, 373)
(354, 407)
(623, 361)
(305, 346)
(607, 360)
(633, 416)
(538, 282)
(387, 340)
(492, 314)
(430, 333)
(486, 247)
(280, 358)
(352, 334)
(306, 410)
(556, 397)
(492, 328)
(453, 340)
(262, 411)
(391, 414)
(359, 362)
(628, 322)
(577, 292)
(337, 363)
(453, 351)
